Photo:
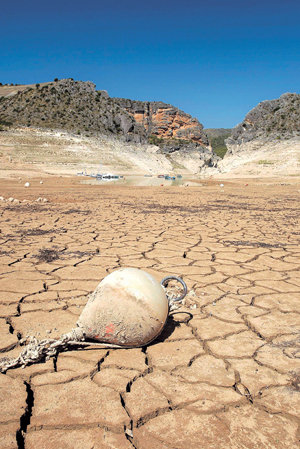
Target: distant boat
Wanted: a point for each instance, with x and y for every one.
(109, 176)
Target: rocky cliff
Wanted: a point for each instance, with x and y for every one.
(178, 135)
(69, 105)
(174, 139)
(165, 121)
(76, 105)
(271, 120)
(267, 142)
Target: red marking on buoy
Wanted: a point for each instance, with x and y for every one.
(109, 329)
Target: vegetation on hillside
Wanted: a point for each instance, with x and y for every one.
(4, 124)
(161, 142)
(70, 105)
(216, 137)
(78, 107)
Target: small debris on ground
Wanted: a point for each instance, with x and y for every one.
(129, 433)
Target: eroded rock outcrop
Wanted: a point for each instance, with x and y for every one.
(267, 142)
(70, 105)
(76, 106)
(270, 120)
(179, 136)
(165, 121)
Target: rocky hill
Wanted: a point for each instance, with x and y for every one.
(268, 139)
(69, 105)
(76, 105)
(270, 120)
(175, 139)
(165, 121)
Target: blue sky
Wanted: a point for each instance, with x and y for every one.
(214, 59)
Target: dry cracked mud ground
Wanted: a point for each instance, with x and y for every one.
(224, 374)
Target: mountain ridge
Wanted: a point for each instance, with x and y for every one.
(78, 106)
(168, 136)
(268, 138)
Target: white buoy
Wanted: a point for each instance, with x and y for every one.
(27, 184)
(128, 308)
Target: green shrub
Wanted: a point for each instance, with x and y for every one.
(220, 150)
(265, 162)
(154, 140)
(4, 123)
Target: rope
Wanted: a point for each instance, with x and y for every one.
(39, 350)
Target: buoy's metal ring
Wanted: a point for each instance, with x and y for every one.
(164, 283)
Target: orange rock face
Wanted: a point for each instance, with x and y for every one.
(165, 121)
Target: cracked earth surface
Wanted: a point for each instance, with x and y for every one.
(228, 377)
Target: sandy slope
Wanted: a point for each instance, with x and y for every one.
(64, 153)
(30, 151)
(257, 158)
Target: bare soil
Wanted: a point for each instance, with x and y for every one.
(225, 371)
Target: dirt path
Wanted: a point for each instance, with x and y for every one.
(227, 378)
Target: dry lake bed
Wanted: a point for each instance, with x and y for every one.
(225, 372)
